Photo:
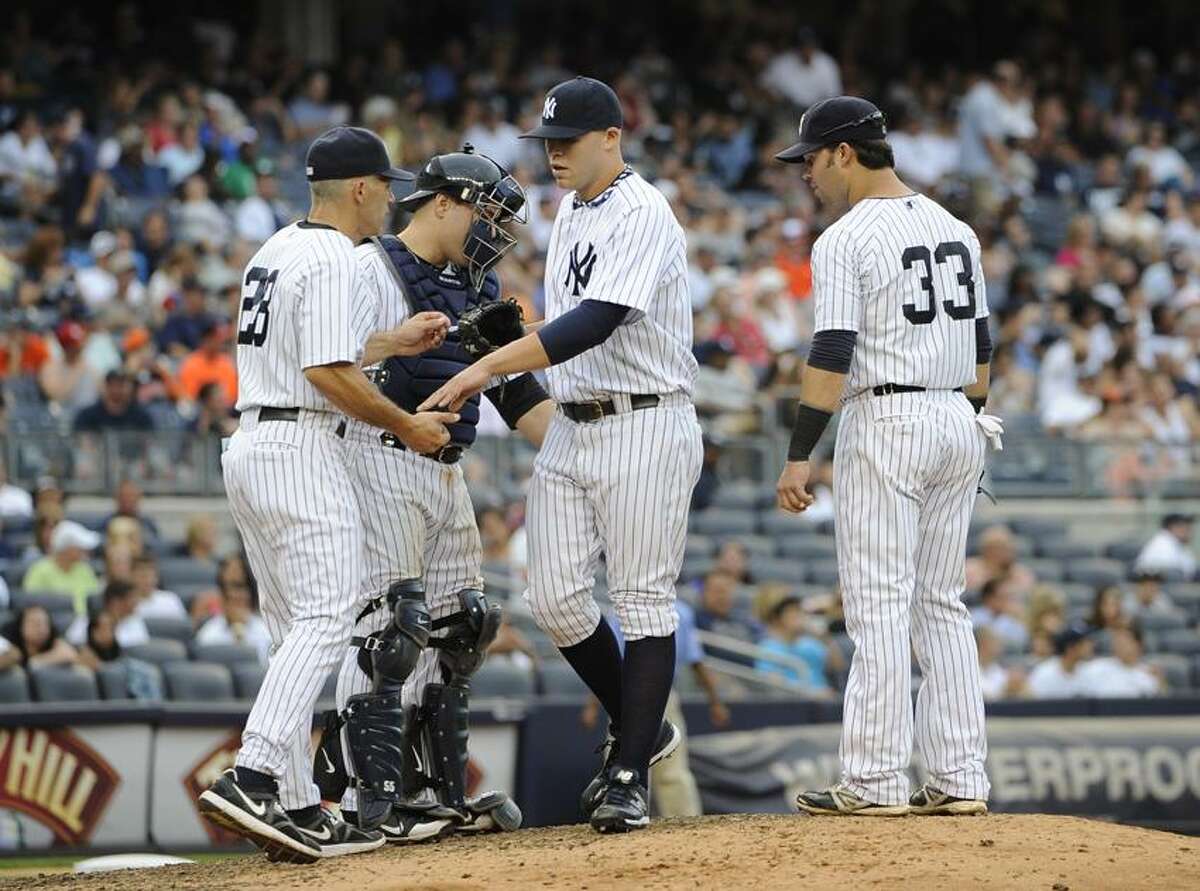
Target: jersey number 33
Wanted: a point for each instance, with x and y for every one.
(943, 253)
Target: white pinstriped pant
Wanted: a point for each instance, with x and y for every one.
(906, 467)
(620, 486)
(418, 521)
(290, 495)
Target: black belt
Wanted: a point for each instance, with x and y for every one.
(450, 453)
(267, 413)
(595, 409)
(889, 389)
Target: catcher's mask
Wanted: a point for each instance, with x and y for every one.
(497, 198)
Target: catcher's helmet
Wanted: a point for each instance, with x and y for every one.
(479, 181)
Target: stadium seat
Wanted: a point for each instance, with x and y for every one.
(724, 523)
(808, 548)
(778, 569)
(1176, 669)
(198, 682)
(780, 524)
(1124, 550)
(1187, 597)
(1046, 570)
(174, 571)
(738, 496)
(758, 546)
(699, 546)
(247, 678)
(1038, 528)
(52, 601)
(14, 685)
(1060, 549)
(500, 677)
(1185, 641)
(91, 519)
(1095, 572)
(159, 652)
(557, 678)
(63, 683)
(823, 572)
(1156, 623)
(113, 680)
(170, 629)
(224, 654)
(694, 568)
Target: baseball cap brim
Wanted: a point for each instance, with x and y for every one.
(399, 175)
(414, 197)
(794, 154)
(553, 131)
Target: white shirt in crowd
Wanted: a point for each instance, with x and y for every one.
(1109, 677)
(803, 82)
(1049, 680)
(253, 632)
(15, 503)
(161, 605)
(255, 220)
(1167, 554)
(26, 160)
(130, 632)
(994, 679)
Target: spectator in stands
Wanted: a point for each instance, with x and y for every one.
(128, 503)
(69, 380)
(45, 518)
(1108, 611)
(1124, 673)
(118, 563)
(27, 167)
(154, 602)
(23, 351)
(733, 558)
(998, 681)
(1062, 676)
(214, 416)
(1148, 598)
(102, 647)
(15, 502)
(124, 532)
(81, 183)
(804, 75)
(311, 111)
(718, 613)
(200, 539)
(259, 216)
(153, 380)
(199, 221)
(787, 634)
(238, 622)
(1000, 611)
(210, 364)
(184, 328)
(1169, 551)
(35, 642)
(66, 570)
(1047, 617)
(997, 559)
(120, 602)
(183, 158)
(48, 281)
(116, 409)
(97, 283)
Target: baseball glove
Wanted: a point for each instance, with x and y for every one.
(486, 328)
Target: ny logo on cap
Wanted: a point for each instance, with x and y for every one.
(549, 108)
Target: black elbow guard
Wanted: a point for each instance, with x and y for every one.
(833, 350)
(983, 342)
(515, 397)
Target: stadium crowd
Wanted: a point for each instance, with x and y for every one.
(130, 204)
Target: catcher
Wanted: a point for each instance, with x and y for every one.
(402, 689)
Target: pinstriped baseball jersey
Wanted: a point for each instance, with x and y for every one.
(301, 307)
(905, 274)
(624, 246)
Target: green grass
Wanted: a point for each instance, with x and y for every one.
(59, 863)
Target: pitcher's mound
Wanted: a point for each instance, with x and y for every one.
(757, 852)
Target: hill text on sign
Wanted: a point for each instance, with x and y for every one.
(57, 779)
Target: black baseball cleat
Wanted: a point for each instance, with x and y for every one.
(624, 806)
(669, 738)
(928, 801)
(258, 817)
(405, 825)
(335, 837)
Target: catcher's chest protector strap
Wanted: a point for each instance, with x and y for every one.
(409, 380)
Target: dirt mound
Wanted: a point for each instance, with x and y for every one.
(753, 851)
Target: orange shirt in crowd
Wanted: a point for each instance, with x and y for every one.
(198, 369)
(798, 272)
(34, 354)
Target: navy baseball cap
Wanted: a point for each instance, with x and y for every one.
(347, 152)
(575, 107)
(830, 121)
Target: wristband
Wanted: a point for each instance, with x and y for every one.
(810, 424)
(977, 402)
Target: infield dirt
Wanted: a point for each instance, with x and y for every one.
(757, 852)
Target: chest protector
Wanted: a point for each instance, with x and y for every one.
(409, 380)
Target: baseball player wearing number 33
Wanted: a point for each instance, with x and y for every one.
(902, 346)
